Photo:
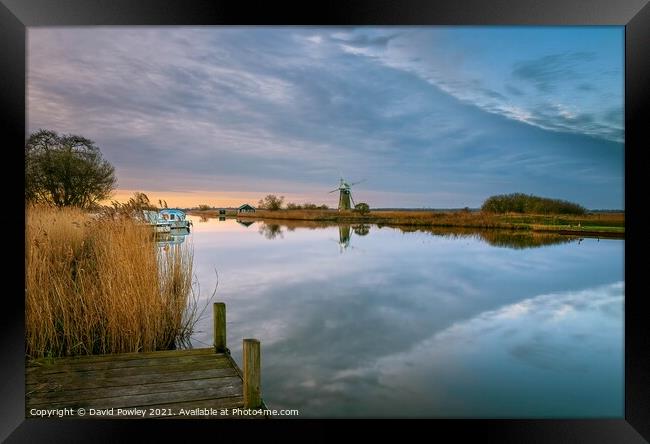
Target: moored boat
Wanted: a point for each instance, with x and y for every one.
(175, 217)
(154, 219)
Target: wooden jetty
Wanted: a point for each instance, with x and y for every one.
(196, 383)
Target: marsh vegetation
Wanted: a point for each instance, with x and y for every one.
(607, 224)
(99, 285)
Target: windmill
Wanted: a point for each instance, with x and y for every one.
(345, 195)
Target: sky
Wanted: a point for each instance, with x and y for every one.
(427, 117)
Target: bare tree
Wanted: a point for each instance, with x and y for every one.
(66, 170)
(271, 202)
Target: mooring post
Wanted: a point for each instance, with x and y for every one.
(219, 319)
(252, 374)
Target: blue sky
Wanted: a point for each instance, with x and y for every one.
(429, 116)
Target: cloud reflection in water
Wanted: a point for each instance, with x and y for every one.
(410, 324)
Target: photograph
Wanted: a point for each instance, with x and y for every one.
(325, 222)
(249, 219)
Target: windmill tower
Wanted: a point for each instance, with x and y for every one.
(345, 194)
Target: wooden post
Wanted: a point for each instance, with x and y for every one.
(252, 374)
(219, 319)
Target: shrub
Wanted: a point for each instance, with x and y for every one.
(527, 203)
(362, 208)
(271, 202)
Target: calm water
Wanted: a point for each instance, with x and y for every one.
(368, 321)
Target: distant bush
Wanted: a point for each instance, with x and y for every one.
(306, 206)
(527, 203)
(362, 208)
(204, 207)
(271, 202)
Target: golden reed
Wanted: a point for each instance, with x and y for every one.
(95, 285)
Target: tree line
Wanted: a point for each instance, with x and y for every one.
(527, 203)
(272, 202)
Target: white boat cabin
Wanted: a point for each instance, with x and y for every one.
(175, 217)
(156, 220)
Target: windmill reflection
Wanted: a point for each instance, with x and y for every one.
(345, 234)
(344, 237)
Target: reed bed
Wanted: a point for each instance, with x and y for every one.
(470, 219)
(96, 285)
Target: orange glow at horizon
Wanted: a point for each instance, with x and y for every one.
(189, 199)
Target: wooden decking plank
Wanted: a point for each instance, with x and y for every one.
(121, 357)
(151, 398)
(104, 392)
(131, 371)
(81, 366)
(69, 381)
(171, 371)
(172, 379)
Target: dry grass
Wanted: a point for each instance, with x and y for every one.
(512, 221)
(101, 286)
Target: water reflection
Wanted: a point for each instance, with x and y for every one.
(517, 239)
(426, 323)
(270, 231)
(545, 344)
(174, 237)
(361, 229)
(344, 236)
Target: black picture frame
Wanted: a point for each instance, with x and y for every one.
(17, 15)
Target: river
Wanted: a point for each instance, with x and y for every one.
(368, 321)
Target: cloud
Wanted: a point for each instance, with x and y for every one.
(231, 108)
(514, 90)
(546, 72)
(364, 40)
(456, 70)
(586, 87)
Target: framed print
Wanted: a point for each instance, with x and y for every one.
(371, 211)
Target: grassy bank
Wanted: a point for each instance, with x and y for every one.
(100, 286)
(610, 224)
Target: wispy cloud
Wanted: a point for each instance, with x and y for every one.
(445, 63)
(249, 107)
(546, 72)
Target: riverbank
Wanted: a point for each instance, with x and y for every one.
(591, 224)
